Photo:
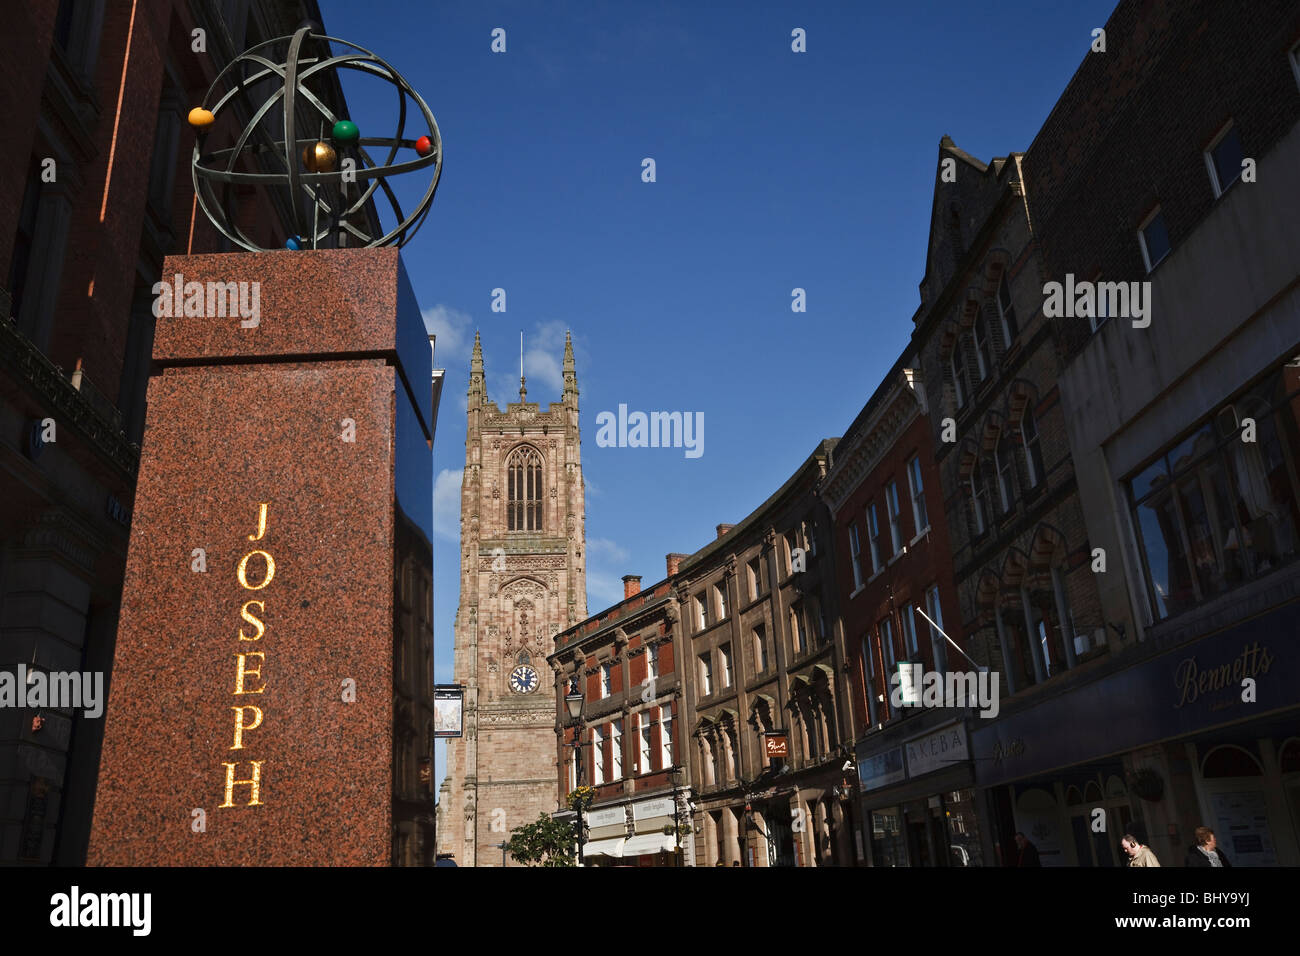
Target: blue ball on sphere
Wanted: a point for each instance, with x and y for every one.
(293, 242)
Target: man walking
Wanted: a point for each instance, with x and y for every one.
(1138, 855)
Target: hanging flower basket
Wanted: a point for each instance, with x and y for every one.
(581, 798)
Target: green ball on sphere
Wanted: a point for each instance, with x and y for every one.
(345, 131)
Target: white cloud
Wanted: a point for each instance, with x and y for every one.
(605, 550)
(603, 590)
(453, 330)
(446, 504)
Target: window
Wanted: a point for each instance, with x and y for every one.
(983, 356)
(797, 636)
(895, 527)
(960, 383)
(760, 649)
(597, 756)
(524, 490)
(1006, 312)
(755, 578)
(1102, 311)
(645, 722)
(666, 736)
(887, 649)
(706, 674)
(701, 616)
(652, 660)
(873, 526)
(979, 500)
(720, 596)
(919, 514)
(908, 619)
(1005, 460)
(937, 642)
(573, 771)
(1223, 160)
(606, 679)
(1214, 511)
(1033, 451)
(791, 546)
(855, 551)
(809, 530)
(1153, 237)
(724, 655)
(869, 680)
(616, 748)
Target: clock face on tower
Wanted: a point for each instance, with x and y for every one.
(523, 679)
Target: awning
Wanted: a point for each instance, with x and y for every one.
(649, 843)
(612, 847)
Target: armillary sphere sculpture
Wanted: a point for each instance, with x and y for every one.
(327, 179)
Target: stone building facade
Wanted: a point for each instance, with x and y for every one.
(522, 581)
(1167, 165)
(1027, 596)
(627, 663)
(763, 654)
(94, 191)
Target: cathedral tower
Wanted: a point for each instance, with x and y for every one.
(522, 581)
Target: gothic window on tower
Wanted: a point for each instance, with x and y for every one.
(524, 490)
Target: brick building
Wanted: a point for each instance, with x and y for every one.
(95, 189)
(1027, 602)
(626, 661)
(893, 571)
(763, 655)
(1170, 160)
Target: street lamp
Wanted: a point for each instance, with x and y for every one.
(573, 700)
(675, 775)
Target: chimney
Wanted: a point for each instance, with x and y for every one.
(631, 585)
(724, 528)
(674, 562)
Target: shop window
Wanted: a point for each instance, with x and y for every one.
(1215, 509)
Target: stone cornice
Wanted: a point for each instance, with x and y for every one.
(65, 403)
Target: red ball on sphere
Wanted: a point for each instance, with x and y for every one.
(424, 146)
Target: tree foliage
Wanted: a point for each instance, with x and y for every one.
(544, 842)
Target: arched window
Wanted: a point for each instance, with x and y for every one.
(524, 490)
(1005, 464)
(524, 658)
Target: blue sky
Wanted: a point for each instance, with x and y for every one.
(774, 170)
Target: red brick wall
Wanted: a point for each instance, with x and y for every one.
(926, 563)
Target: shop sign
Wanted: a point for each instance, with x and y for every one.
(776, 745)
(662, 807)
(937, 751)
(882, 769)
(612, 816)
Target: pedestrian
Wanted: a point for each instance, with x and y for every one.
(1138, 855)
(1026, 852)
(1205, 851)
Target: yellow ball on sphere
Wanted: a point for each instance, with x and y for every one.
(319, 158)
(201, 118)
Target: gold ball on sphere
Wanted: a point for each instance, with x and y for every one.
(319, 158)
